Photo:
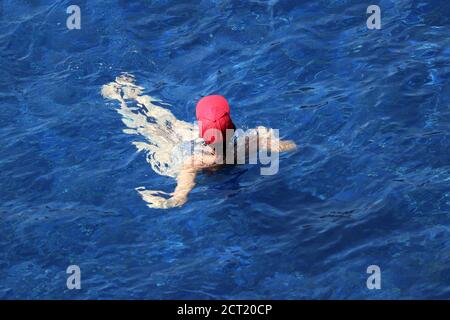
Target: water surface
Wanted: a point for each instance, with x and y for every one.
(369, 185)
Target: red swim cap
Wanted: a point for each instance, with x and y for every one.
(213, 112)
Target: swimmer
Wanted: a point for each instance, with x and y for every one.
(176, 151)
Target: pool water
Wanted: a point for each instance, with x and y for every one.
(368, 185)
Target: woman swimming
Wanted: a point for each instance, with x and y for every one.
(180, 149)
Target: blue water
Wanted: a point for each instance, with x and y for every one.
(369, 184)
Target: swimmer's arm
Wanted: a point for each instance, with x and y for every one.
(279, 146)
(186, 179)
(265, 136)
(185, 183)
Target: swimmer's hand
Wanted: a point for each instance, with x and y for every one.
(156, 200)
(286, 145)
(172, 202)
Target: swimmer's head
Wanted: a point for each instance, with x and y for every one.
(213, 116)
